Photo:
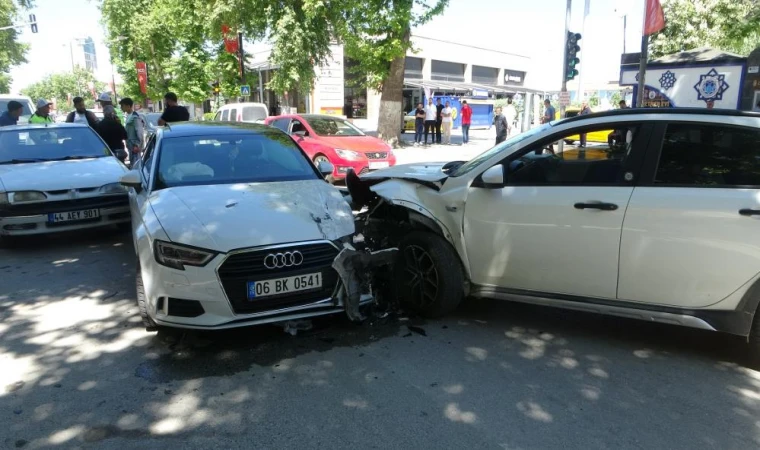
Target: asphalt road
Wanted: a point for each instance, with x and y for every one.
(78, 371)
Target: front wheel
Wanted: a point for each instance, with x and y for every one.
(429, 276)
(142, 302)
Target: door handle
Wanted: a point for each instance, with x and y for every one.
(749, 212)
(601, 206)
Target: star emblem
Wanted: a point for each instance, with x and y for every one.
(667, 80)
(711, 86)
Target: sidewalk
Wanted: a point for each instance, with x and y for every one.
(480, 141)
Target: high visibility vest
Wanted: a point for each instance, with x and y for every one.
(39, 119)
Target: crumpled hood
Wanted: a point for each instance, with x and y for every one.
(60, 175)
(427, 172)
(228, 217)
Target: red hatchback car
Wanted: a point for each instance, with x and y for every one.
(329, 138)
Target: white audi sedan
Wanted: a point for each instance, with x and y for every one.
(56, 178)
(233, 225)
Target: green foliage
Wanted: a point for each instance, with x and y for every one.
(730, 25)
(208, 116)
(12, 52)
(59, 85)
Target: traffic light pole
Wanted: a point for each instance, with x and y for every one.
(562, 106)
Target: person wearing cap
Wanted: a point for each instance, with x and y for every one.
(135, 129)
(173, 112)
(113, 132)
(10, 117)
(105, 100)
(42, 115)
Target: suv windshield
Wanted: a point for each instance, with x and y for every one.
(50, 144)
(4, 106)
(329, 126)
(488, 154)
(231, 159)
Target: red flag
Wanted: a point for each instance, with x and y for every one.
(655, 17)
(142, 76)
(230, 39)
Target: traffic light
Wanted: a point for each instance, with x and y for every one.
(571, 55)
(215, 88)
(33, 22)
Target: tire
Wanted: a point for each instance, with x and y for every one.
(427, 256)
(142, 302)
(753, 343)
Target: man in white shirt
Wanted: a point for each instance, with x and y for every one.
(510, 112)
(81, 114)
(430, 114)
(446, 123)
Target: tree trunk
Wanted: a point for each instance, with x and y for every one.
(391, 118)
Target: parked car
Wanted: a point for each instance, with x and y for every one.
(58, 177)
(336, 140)
(233, 226)
(24, 100)
(662, 226)
(242, 112)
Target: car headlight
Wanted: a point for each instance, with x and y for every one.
(113, 188)
(26, 196)
(3, 198)
(179, 256)
(348, 154)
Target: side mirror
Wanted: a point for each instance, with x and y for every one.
(493, 177)
(325, 168)
(132, 179)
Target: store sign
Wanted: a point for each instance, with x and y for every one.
(479, 93)
(513, 77)
(329, 86)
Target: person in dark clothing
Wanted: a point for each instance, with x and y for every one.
(419, 124)
(500, 122)
(173, 112)
(438, 121)
(10, 117)
(113, 132)
(81, 114)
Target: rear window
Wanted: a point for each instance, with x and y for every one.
(4, 106)
(50, 144)
(239, 158)
(253, 113)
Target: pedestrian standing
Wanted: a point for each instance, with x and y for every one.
(10, 117)
(549, 112)
(419, 124)
(113, 132)
(173, 112)
(438, 120)
(446, 123)
(510, 112)
(585, 110)
(500, 122)
(81, 114)
(466, 121)
(430, 113)
(135, 129)
(42, 115)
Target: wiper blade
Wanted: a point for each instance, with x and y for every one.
(23, 160)
(68, 158)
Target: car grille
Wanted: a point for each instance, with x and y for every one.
(377, 155)
(240, 268)
(32, 209)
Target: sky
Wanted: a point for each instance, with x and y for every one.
(529, 27)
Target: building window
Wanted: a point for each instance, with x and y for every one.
(355, 104)
(413, 68)
(485, 75)
(447, 71)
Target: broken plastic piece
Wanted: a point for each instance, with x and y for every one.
(294, 326)
(354, 268)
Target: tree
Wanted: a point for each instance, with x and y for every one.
(59, 86)
(730, 25)
(12, 52)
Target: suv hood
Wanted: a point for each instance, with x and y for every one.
(232, 216)
(60, 175)
(424, 172)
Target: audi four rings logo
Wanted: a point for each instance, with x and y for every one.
(280, 260)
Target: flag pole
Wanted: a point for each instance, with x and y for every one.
(643, 60)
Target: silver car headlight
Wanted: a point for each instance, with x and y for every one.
(348, 154)
(178, 256)
(113, 188)
(26, 196)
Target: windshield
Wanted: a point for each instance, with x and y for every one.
(4, 105)
(330, 126)
(238, 158)
(488, 154)
(50, 144)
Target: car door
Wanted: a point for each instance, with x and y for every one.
(139, 200)
(691, 235)
(554, 226)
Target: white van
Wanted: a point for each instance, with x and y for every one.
(25, 101)
(242, 112)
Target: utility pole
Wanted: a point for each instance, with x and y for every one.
(581, 95)
(562, 107)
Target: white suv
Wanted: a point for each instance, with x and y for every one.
(660, 223)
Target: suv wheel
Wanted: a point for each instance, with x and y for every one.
(142, 302)
(430, 278)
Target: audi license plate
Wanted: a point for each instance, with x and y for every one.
(374, 165)
(73, 216)
(287, 285)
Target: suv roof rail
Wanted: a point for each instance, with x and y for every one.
(636, 111)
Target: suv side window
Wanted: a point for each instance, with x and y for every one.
(225, 115)
(601, 161)
(233, 115)
(709, 155)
